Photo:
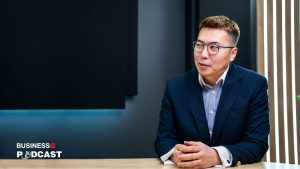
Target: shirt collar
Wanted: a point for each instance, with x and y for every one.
(221, 79)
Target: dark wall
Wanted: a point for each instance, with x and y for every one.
(112, 133)
(67, 54)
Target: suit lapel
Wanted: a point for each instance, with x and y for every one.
(194, 94)
(229, 92)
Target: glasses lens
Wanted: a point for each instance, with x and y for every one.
(213, 49)
(198, 46)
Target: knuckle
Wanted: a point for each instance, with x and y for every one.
(201, 153)
(195, 155)
(194, 164)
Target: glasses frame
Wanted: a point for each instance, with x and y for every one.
(208, 44)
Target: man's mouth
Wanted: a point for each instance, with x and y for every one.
(204, 65)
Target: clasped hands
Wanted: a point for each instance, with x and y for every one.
(195, 155)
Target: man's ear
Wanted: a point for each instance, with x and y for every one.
(233, 54)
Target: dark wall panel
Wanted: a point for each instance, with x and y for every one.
(67, 54)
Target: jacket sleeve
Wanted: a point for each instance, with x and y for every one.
(167, 136)
(254, 144)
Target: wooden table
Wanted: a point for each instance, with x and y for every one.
(139, 163)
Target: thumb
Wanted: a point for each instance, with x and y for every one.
(192, 143)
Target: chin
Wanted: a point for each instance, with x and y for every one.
(203, 72)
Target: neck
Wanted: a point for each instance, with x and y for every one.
(210, 81)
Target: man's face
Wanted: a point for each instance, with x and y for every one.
(209, 66)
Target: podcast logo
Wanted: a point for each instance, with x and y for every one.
(37, 151)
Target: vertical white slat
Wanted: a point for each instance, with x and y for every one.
(293, 71)
(275, 82)
(265, 49)
(266, 67)
(284, 84)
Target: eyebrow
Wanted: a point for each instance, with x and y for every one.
(214, 42)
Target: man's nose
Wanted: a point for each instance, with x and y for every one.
(204, 54)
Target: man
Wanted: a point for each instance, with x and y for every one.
(217, 114)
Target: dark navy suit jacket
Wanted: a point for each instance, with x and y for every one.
(241, 121)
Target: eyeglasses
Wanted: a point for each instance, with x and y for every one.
(212, 47)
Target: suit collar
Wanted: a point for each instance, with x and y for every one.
(229, 93)
(194, 95)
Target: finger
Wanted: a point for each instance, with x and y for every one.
(191, 149)
(177, 152)
(188, 157)
(197, 167)
(193, 143)
(189, 164)
(175, 155)
(179, 146)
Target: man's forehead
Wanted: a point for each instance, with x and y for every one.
(209, 35)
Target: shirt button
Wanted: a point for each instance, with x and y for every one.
(211, 112)
(213, 92)
(210, 132)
